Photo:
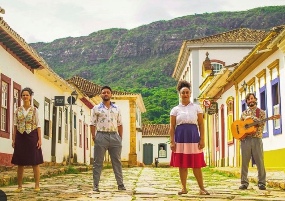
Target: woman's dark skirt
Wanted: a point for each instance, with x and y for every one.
(26, 152)
(187, 153)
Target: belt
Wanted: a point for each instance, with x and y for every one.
(106, 132)
(249, 137)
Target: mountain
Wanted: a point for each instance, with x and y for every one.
(142, 59)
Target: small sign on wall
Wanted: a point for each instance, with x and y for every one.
(59, 101)
(206, 103)
(213, 109)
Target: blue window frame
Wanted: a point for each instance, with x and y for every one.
(263, 106)
(276, 105)
(243, 105)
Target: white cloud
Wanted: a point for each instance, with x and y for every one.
(42, 20)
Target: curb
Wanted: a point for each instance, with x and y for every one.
(54, 171)
(270, 183)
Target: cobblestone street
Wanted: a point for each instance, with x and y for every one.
(142, 184)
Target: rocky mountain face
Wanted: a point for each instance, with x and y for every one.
(153, 47)
(142, 60)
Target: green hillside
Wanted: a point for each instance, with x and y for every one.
(142, 59)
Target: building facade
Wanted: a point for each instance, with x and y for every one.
(21, 66)
(199, 61)
(155, 144)
(131, 106)
(259, 72)
(64, 106)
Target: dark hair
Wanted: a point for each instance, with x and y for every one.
(250, 94)
(106, 87)
(183, 83)
(28, 89)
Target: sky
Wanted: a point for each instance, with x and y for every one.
(47, 20)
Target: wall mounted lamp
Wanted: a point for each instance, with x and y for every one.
(2, 10)
(244, 86)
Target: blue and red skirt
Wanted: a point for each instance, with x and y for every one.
(187, 154)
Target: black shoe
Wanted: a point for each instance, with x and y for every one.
(261, 187)
(121, 187)
(243, 187)
(96, 188)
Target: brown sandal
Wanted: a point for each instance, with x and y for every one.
(182, 192)
(204, 192)
(18, 190)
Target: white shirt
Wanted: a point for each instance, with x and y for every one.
(186, 114)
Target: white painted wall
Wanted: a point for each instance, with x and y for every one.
(139, 147)
(229, 149)
(232, 155)
(85, 118)
(43, 88)
(125, 111)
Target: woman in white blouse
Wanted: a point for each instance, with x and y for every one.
(27, 139)
(187, 138)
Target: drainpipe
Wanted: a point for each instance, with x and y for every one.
(208, 139)
(262, 51)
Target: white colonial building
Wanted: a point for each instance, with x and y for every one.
(21, 66)
(65, 126)
(199, 62)
(221, 49)
(131, 106)
(154, 144)
(259, 72)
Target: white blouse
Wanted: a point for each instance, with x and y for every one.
(186, 114)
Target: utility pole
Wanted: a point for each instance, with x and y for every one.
(71, 100)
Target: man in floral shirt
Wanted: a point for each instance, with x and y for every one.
(107, 132)
(252, 144)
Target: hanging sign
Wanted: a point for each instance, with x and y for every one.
(59, 100)
(206, 103)
(213, 109)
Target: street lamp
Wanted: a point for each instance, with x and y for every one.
(244, 86)
(71, 100)
(2, 10)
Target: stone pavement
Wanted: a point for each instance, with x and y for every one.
(143, 183)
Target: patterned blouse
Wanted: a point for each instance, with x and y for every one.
(186, 114)
(253, 113)
(26, 120)
(106, 119)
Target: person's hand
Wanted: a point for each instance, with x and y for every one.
(13, 144)
(39, 144)
(93, 137)
(173, 146)
(201, 144)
